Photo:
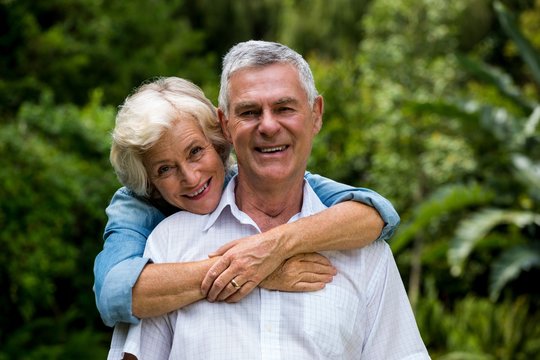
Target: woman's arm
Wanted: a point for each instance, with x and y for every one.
(346, 225)
(128, 288)
(331, 193)
(118, 265)
(164, 287)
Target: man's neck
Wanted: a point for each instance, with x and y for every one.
(269, 205)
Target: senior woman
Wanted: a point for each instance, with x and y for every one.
(169, 153)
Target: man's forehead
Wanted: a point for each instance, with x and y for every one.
(265, 73)
(255, 102)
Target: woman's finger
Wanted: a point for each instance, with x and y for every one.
(314, 257)
(211, 277)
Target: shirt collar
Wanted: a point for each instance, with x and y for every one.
(310, 205)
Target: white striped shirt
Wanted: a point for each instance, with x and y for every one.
(364, 313)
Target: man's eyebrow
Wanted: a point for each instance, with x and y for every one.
(244, 105)
(286, 100)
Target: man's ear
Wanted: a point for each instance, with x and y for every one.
(317, 111)
(223, 121)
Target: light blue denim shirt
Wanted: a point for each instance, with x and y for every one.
(131, 219)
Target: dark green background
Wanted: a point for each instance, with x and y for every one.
(430, 103)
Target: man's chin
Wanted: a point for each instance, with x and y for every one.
(275, 176)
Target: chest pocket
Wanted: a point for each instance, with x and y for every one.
(329, 319)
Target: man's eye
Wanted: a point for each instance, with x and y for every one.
(285, 109)
(249, 113)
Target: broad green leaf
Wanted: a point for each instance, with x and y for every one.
(473, 229)
(531, 126)
(528, 53)
(528, 172)
(510, 264)
(500, 79)
(444, 201)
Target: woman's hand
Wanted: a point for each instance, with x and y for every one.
(301, 273)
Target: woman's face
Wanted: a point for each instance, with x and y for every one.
(185, 168)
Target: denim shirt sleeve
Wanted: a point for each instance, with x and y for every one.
(331, 193)
(118, 266)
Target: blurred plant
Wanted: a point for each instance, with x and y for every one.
(506, 142)
(476, 328)
(55, 181)
(54, 338)
(71, 47)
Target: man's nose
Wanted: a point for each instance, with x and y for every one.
(269, 124)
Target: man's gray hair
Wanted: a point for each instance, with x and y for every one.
(254, 53)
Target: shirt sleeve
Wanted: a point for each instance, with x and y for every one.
(331, 192)
(118, 266)
(391, 328)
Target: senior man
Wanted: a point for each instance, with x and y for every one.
(270, 111)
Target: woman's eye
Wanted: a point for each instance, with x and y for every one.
(163, 169)
(196, 150)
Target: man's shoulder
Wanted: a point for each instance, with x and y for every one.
(185, 217)
(311, 202)
(182, 220)
(368, 259)
(376, 252)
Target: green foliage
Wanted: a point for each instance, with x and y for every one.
(445, 200)
(412, 110)
(40, 342)
(514, 132)
(479, 329)
(477, 226)
(73, 46)
(341, 147)
(526, 49)
(55, 182)
(503, 81)
(511, 264)
(304, 26)
(407, 54)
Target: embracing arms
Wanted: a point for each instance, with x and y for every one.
(127, 287)
(165, 287)
(119, 265)
(344, 225)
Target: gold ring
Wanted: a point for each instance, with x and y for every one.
(235, 284)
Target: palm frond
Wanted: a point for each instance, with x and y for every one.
(531, 128)
(510, 264)
(529, 55)
(501, 80)
(503, 125)
(528, 172)
(445, 200)
(473, 229)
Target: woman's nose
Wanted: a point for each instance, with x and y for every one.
(190, 175)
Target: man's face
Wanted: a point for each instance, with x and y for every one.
(271, 123)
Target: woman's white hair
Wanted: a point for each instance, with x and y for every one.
(149, 112)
